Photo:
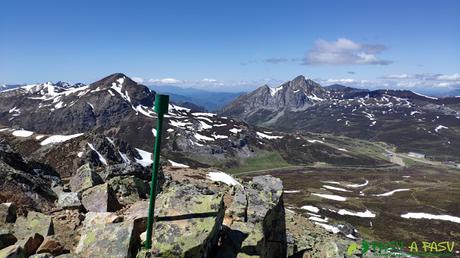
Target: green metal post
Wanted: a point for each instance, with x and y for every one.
(161, 108)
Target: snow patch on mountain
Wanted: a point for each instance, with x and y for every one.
(146, 158)
(417, 215)
(203, 114)
(235, 130)
(335, 188)
(22, 133)
(439, 127)
(222, 177)
(310, 208)
(273, 91)
(358, 185)
(365, 214)
(177, 165)
(101, 158)
(392, 192)
(266, 136)
(331, 197)
(425, 96)
(118, 86)
(202, 137)
(328, 227)
(59, 138)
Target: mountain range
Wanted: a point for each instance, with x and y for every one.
(412, 122)
(91, 118)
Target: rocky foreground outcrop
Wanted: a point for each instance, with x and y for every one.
(197, 215)
(102, 212)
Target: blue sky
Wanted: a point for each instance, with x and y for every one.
(233, 45)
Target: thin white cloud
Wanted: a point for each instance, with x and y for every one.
(277, 60)
(398, 76)
(214, 84)
(449, 77)
(165, 81)
(344, 52)
(417, 81)
(209, 80)
(402, 81)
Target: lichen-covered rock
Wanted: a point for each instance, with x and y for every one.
(70, 200)
(137, 213)
(249, 237)
(188, 222)
(66, 227)
(84, 178)
(129, 189)
(52, 245)
(96, 218)
(106, 235)
(13, 251)
(131, 169)
(7, 213)
(255, 224)
(35, 222)
(237, 208)
(31, 243)
(100, 198)
(301, 234)
(263, 193)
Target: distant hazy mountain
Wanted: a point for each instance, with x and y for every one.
(409, 120)
(60, 84)
(210, 100)
(9, 86)
(454, 93)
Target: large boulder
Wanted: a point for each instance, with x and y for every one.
(129, 189)
(254, 223)
(105, 234)
(13, 251)
(137, 213)
(69, 200)
(35, 222)
(263, 194)
(128, 169)
(31, 243)
(243, 239)
(51, 245)
(188, 222)
(7, 213)
(100, 198)
(84, 178)
(66, 227)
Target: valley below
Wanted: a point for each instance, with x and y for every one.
(382, 204)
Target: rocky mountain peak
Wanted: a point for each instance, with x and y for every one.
(131, 91)
(117, 78)
(297, 94)
(306, 85)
